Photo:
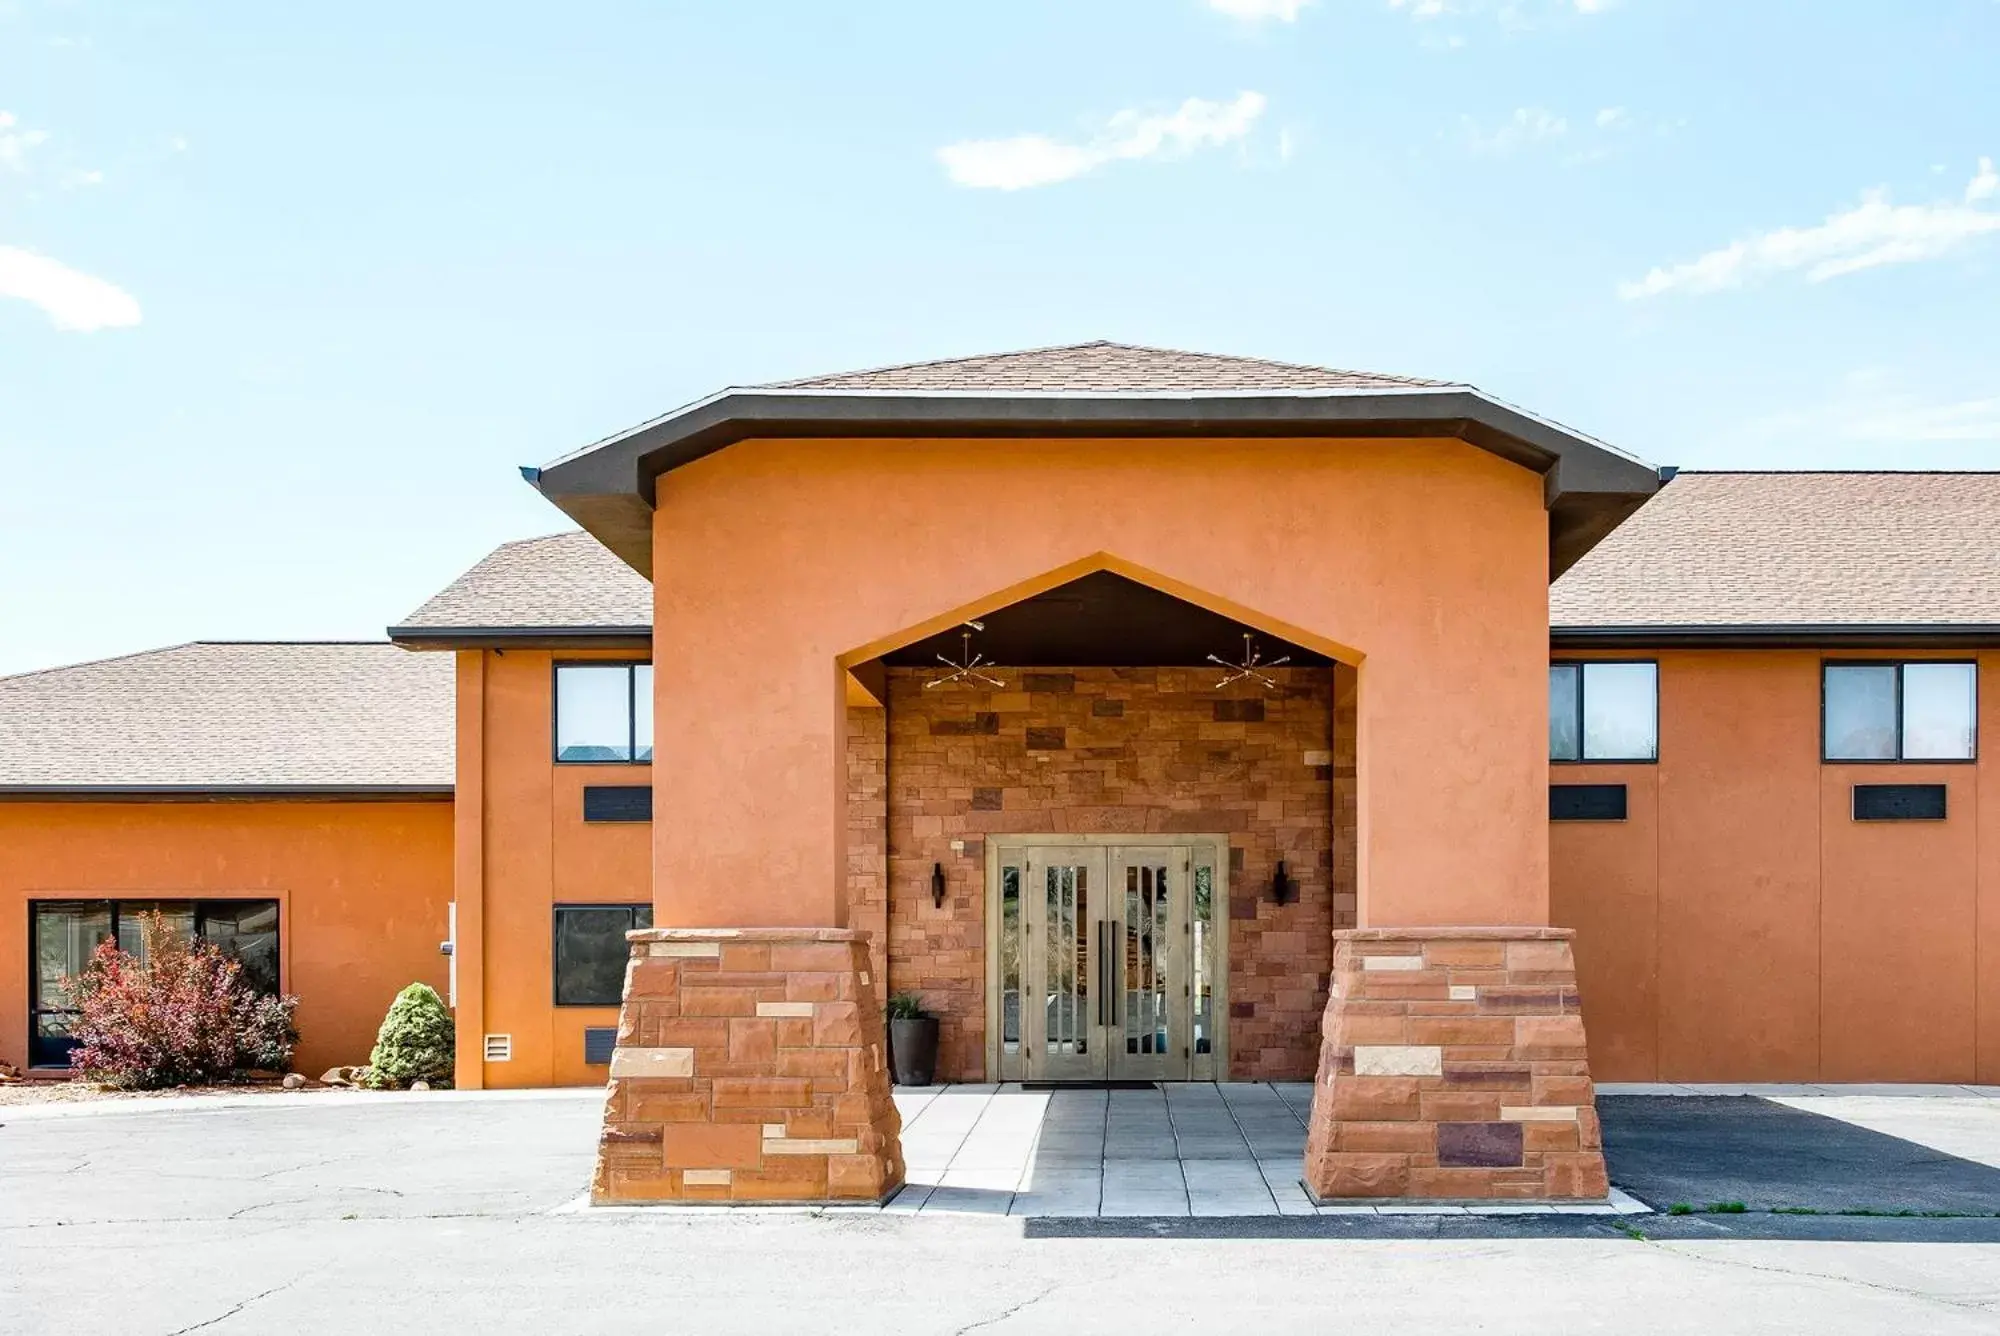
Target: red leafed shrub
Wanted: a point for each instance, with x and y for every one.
(180, 1016)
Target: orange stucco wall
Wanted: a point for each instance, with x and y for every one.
(361, 890)
(1424, 562)
(1740, 926)
(523, 848)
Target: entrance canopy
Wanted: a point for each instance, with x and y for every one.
(1097, 391)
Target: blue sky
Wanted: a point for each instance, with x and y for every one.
(287, 291)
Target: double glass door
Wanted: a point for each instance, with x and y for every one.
(1106, 960)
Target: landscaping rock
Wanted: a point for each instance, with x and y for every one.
(293, 1081)
(420, 1085)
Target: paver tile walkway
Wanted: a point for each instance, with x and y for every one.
(1177, 1150)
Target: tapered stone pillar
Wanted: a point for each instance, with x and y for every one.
(750, 1067)
(1452, 1066)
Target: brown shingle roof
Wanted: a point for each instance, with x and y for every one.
(562, 581)
(1798, 550)
(1102, 367)
(221, 715)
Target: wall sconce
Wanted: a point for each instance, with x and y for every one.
(937, 885)
(1283, 889)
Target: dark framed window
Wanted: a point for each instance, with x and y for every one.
(591, 951)
(1915, 710)
(1604, 710)
(604, 712)
(64, 933)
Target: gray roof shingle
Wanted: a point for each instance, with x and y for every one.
(1710, 550)
(1102, 367)
(222, 715)
(1799, 550)
(561, 581)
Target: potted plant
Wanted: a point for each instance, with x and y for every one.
(913, 1040)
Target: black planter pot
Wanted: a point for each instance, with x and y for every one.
(913, 1049)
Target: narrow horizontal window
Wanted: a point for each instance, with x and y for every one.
(591, 951)
(604, 712)
(1900, 712)
(1604, 712)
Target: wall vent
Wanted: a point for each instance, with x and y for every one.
(499, 1047)
(618, 802)
(598, 1041)
(1899, 802)
(1586, 802)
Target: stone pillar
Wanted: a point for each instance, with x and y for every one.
(750, 1067)
(1452, 1066)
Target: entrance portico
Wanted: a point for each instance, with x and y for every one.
(1405, 532)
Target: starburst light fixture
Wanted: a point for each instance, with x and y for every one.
(1252, 666)
(968, 666)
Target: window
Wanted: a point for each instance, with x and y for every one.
(1604, 712)
(591, 952)
(66, 932)
(1900, 711)
(604, 712)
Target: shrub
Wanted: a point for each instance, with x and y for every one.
(183, 1016)
(415, 1042)
(907, 1007)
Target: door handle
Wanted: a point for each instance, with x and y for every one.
(1107, 974)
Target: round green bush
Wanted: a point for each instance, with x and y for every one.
(415, 1041)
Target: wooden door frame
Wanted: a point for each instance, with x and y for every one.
(1219, 1047)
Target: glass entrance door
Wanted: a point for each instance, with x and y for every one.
(1105, 960)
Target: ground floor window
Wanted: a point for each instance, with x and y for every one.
(591, 951)
(63, 934)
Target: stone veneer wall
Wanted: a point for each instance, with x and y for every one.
(1454, 1067)
(868, 835)
(1097, 750)
(750, 1067)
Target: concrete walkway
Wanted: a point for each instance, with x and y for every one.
(1178, 1150)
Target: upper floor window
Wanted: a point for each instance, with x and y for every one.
(1604, 712)
(604, 712)
(1900, 711)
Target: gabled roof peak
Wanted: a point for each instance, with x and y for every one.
(1104, 366)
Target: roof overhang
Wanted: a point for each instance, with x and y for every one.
(45, 793)
(522, 637)
(1589, 487)
(1801, 635)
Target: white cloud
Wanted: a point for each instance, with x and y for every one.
(1873, 233)
(1519, 14)
(1025, 161)
(1526, 126)
(1869, 418)
(16, 142)
(1613, 118)
(1255, 11)
(70, 298)
(1983, 184)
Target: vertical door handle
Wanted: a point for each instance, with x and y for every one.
(1107, 975)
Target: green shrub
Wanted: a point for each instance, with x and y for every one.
(907, 1007)
(415, 1042)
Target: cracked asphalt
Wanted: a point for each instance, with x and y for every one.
(457, 1213)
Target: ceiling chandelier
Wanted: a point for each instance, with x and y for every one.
(1252, 667)
(969, 666)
